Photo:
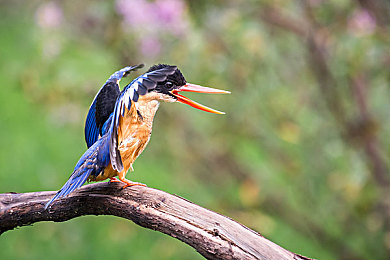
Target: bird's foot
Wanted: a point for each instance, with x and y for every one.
(131, 183)
(113, 179)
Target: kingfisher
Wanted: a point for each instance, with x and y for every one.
(119, 123)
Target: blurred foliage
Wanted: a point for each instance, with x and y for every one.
(301, 155)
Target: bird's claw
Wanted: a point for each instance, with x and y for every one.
(131, 183)
(113, 179)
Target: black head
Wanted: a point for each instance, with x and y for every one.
(174, 81)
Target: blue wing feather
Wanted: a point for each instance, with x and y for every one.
(93, 162)
(91, 130)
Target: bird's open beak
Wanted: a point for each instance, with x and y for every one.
(196, 88)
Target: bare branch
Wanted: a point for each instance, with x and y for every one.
(212, 235)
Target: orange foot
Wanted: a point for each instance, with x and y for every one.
(113, 179)
(130, 183)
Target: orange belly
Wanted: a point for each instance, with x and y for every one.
(133, 136)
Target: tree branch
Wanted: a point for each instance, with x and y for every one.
(212, 235)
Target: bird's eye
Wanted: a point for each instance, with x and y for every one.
(169, 85)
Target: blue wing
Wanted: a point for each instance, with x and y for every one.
(91, 131)
(131, 93)
(93, 162)
(106, 95)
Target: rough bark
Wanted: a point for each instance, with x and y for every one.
(211, 234)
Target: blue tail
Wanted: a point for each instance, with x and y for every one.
(93, 162)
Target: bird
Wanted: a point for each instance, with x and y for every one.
(119, 123)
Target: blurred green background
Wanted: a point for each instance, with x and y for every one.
(301, 156)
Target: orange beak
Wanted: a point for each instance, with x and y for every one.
(199, 89)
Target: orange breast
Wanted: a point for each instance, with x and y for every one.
(133, 136)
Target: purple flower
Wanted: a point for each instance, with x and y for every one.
(49, 15)
(362, 23)
(152, 21)
(170, 14)
(136, 12)
(160, 15)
